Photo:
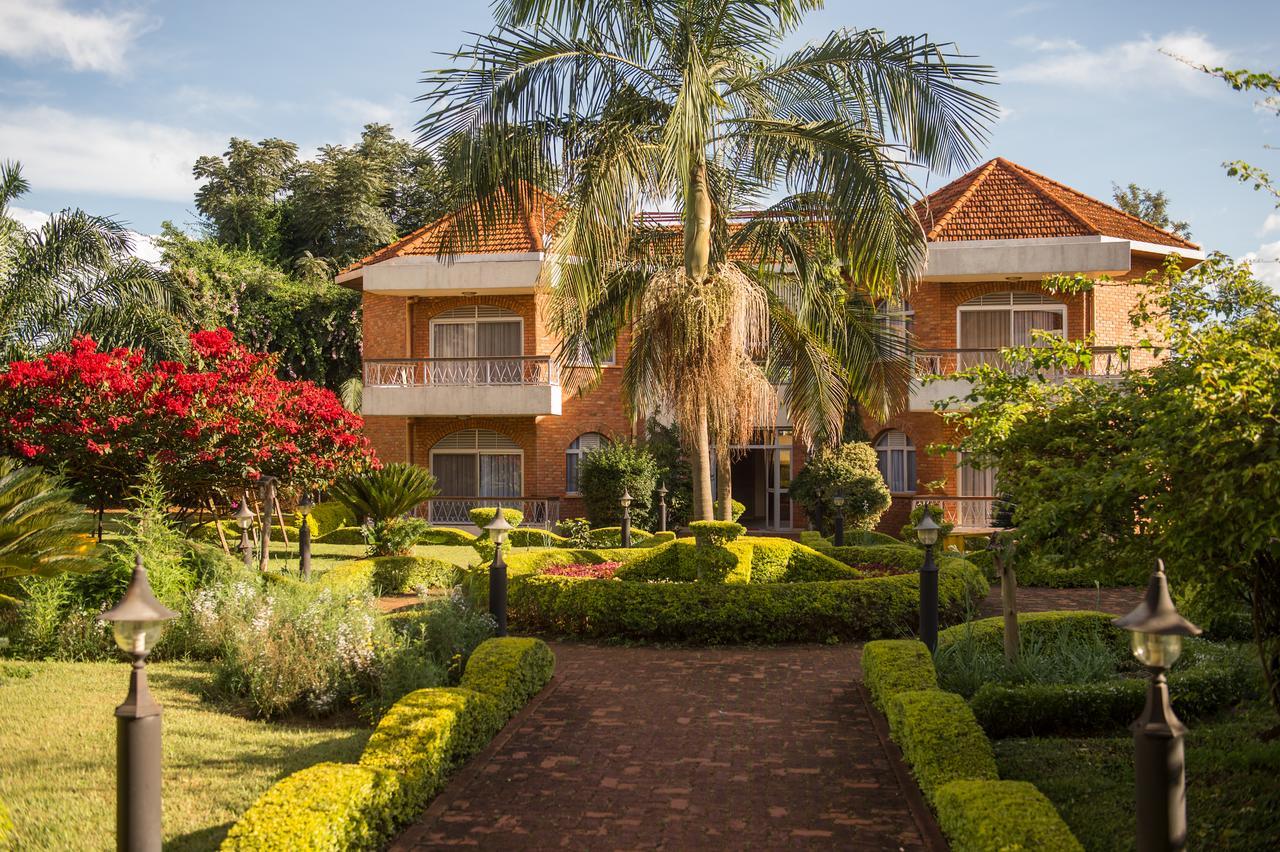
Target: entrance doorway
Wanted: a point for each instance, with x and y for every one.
(761, 481)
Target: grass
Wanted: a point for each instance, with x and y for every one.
(57, 753)
(1233, 796)
(324, 556)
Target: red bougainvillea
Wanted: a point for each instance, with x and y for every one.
(217, 423)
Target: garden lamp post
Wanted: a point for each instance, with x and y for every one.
(1157, 734)
(304, 537)
(662, 506)
(819, 495)
(244, 518)
(625, 502)
(927, 533)
(137, 623)
(498, 572)
(838, 502)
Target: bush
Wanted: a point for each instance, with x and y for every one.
(510, 671)
(605, 473)
(394, 536)
(327, 517)
(388, 492)
(735, 508)
(612, 537)
(854, 538)
(343, 535)
(940, 739)
(536, 538)
(329, 807)
(715, 533)
(446, 536)
(908, 533)
(402, 574)
(350, 579)
(850, 469)
(484, 516)
(994, 816)
(898, 555)
(891, 666)
(576, 531)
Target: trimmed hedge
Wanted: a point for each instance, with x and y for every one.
(716, 532)
(757, 559)
(996, 816)
(893, 666)
(484, 515)
(528, 537)
(350, 579)
(404, 574)
(852, 538)
(343, 535)
(329, 806)
(1068, 625)
(899, 555)
(337, 806)
(447, 536)
(940, 738)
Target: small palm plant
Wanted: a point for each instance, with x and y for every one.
(43, 531)
(381, 498)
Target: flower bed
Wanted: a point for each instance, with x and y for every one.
(600, 571)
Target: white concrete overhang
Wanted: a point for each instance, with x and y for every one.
(461, 400)
(986, 260)
(421, 275)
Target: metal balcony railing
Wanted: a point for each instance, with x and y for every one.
(543, 513)
(428, 372)
(1108, 361)
(968, 514)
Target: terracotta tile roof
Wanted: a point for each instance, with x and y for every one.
(523, 231)
(1001, 200)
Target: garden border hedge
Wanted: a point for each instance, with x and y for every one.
(340, 806)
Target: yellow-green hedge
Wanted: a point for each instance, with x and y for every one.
(891, 666)
(940, 739)
(998, 816)
(337, 806)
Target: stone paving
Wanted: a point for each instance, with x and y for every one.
(722, 748)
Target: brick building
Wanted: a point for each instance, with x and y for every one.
(460, 374)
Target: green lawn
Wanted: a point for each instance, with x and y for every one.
(57, 754)
(325, 556)
(1233, 783)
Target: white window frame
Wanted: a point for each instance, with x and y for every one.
(578, 451)
(899, 318)
(1011, 307)
(477, 452)
(908, 450)
(443, 319)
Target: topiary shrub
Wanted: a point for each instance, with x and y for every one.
(326, 517)
(892, 666)
(342, 535)
(735, 508)
(536, 538)
(603, 475)
(446, 536)
(509, 671)
(484, 515)
(403, 574)
(850, 469)
(898, 555)
(715, 533)
(940, 738)
(656, 539)
(996, 816)
(908, 533)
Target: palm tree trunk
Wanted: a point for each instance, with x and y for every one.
(702, 510)
(724, 484)
(697, 265)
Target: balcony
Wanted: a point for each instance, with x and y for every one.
(1109, 362)
(969, 515)
(515, 386)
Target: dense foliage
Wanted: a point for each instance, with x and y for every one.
(848, 471)
(42, 530)
(215, 423)
(605, 473)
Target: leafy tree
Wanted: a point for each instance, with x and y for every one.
(849, 470)
(683, 103)
(1149, 205)
(76, 275)
(1244, 80)
(240, 199)
(43, 532)
(606, 472)
(1180, 461)
(663, 442)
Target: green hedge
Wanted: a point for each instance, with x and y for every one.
(940, 738)
(854, 538)
(343, 535)
(405, 574)
(715, 532)
(326, 517)
(997, 816)
(899, 555)
(351, 579)
(1068, 625)
(329, 806)
(447, 536)
(484, 516)
(757, 559)
(336, 806)
(612, 536)
(707, 613)
(892, 666)
(526, 537)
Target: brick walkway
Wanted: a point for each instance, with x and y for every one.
(1115, 601)
(651, 748)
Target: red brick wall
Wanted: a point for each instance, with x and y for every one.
(384, 326)
(390, 437)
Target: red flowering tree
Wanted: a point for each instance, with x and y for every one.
(217, 423)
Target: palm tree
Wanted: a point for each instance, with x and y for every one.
(42, 530)
(76, 275)
(682, 104)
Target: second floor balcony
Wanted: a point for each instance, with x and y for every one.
(938, 366)
(504, 386)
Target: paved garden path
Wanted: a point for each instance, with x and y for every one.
(652, 748)
(1031, 599)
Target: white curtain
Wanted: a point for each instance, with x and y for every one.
(498, 339)
(455, 473)
(453, 340)
(982, 330)
(500, 475)
(1026, 322)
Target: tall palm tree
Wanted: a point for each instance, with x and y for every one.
(76, 275)
(683, 104)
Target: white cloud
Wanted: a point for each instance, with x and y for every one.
(144, 245)
(88, 41)
(399, 113)
(1143, 63)
(1272, 223)
(132, 159)
(29, 219)
(198, 100)
(1266, 263)
(1028, 9)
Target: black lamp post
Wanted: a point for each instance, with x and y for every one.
(662, 506)
(625, 502)
(1157, 734)
(137, 623)
(498, 572)
(927, 533)
(244, 518)
(819, 495)
(838, 502)
(304, 537)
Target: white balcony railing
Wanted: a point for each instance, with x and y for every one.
(1107, 362)
(467, 372)
(967, 514)
(456, 511)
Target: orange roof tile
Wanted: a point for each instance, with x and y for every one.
(1001, 200)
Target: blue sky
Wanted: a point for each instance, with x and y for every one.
(107, 104)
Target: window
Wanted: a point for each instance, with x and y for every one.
(582, 358)
(581, 445)
(477, 331)
(897, 459)
(1001, 320)
(896, 317)
(478, 463)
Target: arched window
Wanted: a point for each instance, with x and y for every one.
(897, 458)
(998, 321)
(477, 331)
(581, 445)
(478, 463)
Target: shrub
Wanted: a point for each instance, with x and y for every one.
(940, 738)
(536, 538)
(447, 536)
(350, 579)
(330, 806)
(510, 671)
(599, 571)
(605, 473)
(389, 492)
(327, 517)
(716, 533)
(682, 562)
(736, 509)
(612, 537)
(994, 816)
(394, 536)
(660, 537)
(891, 666)
(908, 533)
(343, 535)
(400, 574)
(576, 531)
(42, 530)
(855, 538)
(899, 555)
(484, 516)
(850, 469)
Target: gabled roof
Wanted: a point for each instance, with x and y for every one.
(1001, 200)
(535, 214)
